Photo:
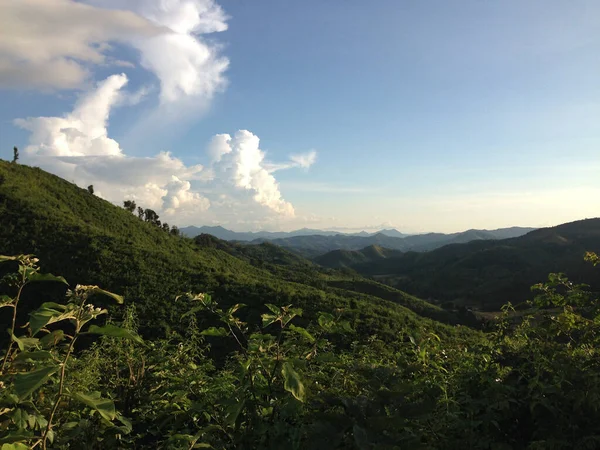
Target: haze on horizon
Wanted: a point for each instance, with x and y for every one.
(419, 116)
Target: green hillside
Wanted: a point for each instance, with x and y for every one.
(90, 241)
(349, 258)
(488, 273)
(264, 349)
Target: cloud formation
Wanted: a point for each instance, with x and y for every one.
(52, 44)
(237, 184)
(48, 44)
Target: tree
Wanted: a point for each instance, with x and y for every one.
(15, 155)
(129, 205)
(165, 226)
(140, 211)
(175, 230)
(150, 216)
(91, 189)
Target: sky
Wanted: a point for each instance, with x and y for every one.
(334, 114)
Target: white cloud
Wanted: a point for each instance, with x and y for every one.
(304, 160)
(239, 160)
(53, 44)
(77, 147)
(236, 187)
(49, 44)
(185, 63)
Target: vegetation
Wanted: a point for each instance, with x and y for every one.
(486, 274)
(253, 347)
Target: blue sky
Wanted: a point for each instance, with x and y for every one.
(424, 115)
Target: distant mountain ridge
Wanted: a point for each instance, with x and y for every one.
(312, 243)
(228, 235)
(482, 273)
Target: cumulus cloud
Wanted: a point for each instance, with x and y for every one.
(185, 63)
(77, 147)
(48, 44)
(237, 186)
(53, 44)
(241, 161)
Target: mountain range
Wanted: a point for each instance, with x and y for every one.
(228, 235)
(313, 243)
(481, 273)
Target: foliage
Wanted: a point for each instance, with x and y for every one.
(290, 356)
(39, 404)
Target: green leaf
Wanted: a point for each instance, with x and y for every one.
(44, 316)
(105, 407)
(292, 382)
(53, 338)
(326, 320)
(268, 319)
(114, 331)
(20, 418)
(5, 300)
(46, 277)
(274, 309)
(117, 298)
(24, 343)
(214, 331)
(37, 355)
(15, 446)
(26, 383)
(302, 332)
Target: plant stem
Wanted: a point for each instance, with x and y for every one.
(60, 388)
(14, 321)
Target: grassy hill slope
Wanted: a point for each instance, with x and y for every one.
(90, 241)
(489, 273)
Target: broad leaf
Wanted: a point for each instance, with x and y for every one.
(292, 382)
(302, 332)
(24, 343)
(53, 338)
(104, 406)
(5, 300)
(20, 418)
(46, 277)
(114, 331)
(15, 446)
(38, 355)
(26, 383)
(117, 298)
(268, 319)
(214, 331)
(326, 320)
(45, 316)
(274, 309)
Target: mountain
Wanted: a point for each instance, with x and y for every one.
(349, 258)
(488, 273)
(90, 241)
(316, 245)
(292, 355)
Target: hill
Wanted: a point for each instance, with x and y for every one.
(362, 365)
(90, 241)
(228, 235)
(488, 273)
(349, 258)
(317, 245)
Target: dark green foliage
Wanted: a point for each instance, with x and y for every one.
(15, 155)
(90, 189)
(276, 353)
(130, 206)
(487, 274)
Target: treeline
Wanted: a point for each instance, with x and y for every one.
(150, 216)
